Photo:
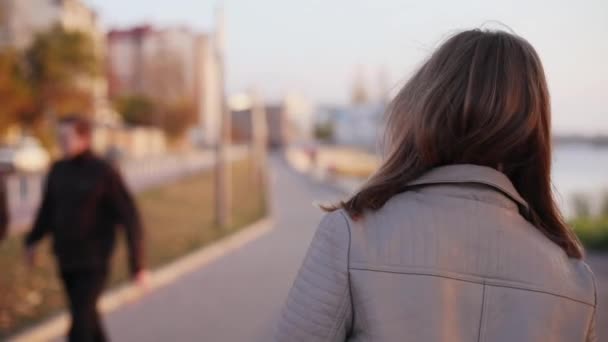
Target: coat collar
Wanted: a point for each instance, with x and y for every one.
(469, 173)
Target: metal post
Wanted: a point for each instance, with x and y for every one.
(222, 167)
(259, 140)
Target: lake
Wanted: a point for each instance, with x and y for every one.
(580, 168)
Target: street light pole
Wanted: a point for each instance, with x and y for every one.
(222, 167)
(259, 139)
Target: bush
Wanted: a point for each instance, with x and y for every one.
(324, 131)
(581, 205)
(137, 110)
(604, 205)
(593, 232)
(178, 117)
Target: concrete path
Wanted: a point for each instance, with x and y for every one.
(238, 297)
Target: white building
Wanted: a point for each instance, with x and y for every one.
(300, 114)
(355, 125)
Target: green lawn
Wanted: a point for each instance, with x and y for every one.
(593, 232)
(178, 218)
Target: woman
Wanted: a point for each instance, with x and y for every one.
(456, 237)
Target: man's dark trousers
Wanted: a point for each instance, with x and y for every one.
(83, 288)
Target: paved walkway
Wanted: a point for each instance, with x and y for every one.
(238, 297)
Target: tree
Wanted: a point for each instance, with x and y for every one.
(167, 83)
(137, 110)
(324, 131)
(166, 98)
(581, 204)
(61, 68)
(15, 93)
(174, 117)
(178, 117)
(165, 77)
(604, 205)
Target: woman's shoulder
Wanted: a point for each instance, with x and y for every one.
(587, 281)
(336, 223)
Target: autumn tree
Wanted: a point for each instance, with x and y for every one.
(169, 85)
(178, 117)
(138, 110)
(167, 98)
(61, 68)
(15, 93)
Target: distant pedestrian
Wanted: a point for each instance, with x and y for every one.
(457, 236)
(84, 202)
(4, 213)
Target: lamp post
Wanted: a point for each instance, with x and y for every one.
(259, 139)
(222, 167)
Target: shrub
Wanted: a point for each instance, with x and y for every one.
(581, 205)
(593, 232)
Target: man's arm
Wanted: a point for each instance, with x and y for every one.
(4, 215)
(44, 217)
(127, 215)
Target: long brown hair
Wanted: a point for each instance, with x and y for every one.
(481, 98)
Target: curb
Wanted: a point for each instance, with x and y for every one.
(55, 327)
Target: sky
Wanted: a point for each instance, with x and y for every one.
(316, 48)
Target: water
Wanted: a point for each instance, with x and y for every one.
(580, 168)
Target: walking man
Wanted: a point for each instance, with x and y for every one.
(84, 202)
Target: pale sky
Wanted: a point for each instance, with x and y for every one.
(314, 47)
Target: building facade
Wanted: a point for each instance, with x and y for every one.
(355, 125)
(170, 64)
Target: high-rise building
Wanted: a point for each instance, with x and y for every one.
(125, 67)
(170, 64)
(278, 125)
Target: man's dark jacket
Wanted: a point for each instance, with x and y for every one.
(4, 215)
(84, 202)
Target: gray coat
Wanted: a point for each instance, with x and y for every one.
(450, 260)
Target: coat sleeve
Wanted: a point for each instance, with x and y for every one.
(4, 215)
(126, 214)
(592, 333)
(44, 217)
(592, 329)
(318, 306)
